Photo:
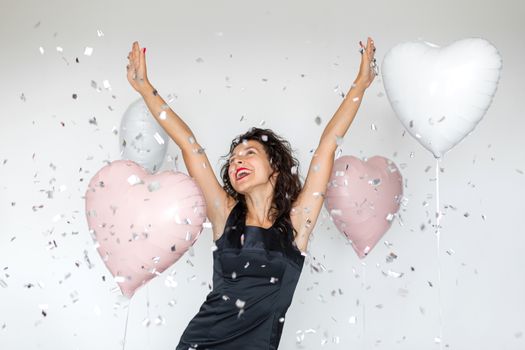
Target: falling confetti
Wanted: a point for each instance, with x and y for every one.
(393, 274)
(158, 138)
(391, 257)
(375, 182)
(134, 179)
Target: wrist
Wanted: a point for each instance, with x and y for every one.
(147, 90)
(359, 85)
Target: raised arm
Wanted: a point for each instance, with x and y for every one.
(310, 201)
(197, 163)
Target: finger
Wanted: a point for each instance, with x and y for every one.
(137, 56)
(369, 43)
(135, 52)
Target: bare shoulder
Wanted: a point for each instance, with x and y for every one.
(218, 222)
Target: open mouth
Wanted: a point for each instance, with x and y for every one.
(242, 173)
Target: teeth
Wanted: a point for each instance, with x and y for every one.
(242, 172)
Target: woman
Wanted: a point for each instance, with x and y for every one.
(261, 217)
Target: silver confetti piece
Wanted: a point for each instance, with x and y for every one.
(336, 212)
(394, 274)
(170, 282)
(159, 320)
(134, 179)
(120, 279)
(153, 186)
(375, 182)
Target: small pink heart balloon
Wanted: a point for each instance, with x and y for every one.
(362, 198)
(142, 223)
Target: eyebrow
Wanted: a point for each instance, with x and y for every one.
(249, 147)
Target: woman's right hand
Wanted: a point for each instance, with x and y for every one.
(137, 75)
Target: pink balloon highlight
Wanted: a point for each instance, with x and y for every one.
(362, 198)
(142, 223)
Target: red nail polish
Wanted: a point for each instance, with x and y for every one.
(144, 50)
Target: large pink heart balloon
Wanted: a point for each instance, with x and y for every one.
(362, 198)
(142, 223)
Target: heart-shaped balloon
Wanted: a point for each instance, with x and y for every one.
(142, 223)
(362, 198)
(441, 94)
(141, 137)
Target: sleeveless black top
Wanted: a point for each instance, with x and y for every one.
(253, 285)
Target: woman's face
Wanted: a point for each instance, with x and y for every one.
(249, 166)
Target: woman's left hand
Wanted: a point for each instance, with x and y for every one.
(368, 68)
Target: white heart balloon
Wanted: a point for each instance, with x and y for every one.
(441, 94)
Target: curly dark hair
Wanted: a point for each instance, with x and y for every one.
(288, 184)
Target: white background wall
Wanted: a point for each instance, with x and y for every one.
(49, 151)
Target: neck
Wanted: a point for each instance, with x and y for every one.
(258, 205)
